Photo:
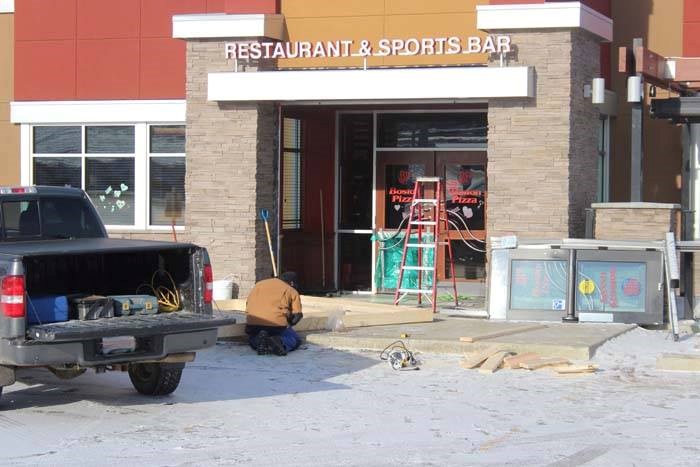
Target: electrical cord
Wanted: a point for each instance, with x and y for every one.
(168, 299)
(398, 356)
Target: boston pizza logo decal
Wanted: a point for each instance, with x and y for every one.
(405, 176)
(465, 177)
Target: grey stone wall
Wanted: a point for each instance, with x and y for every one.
(231, 172)
(542, 151)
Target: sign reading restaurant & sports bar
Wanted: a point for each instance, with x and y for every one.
(365, 48)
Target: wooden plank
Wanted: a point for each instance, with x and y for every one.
(514, 361)
(678, 362)
(493, 362)
(502, 332)
(543, 362)
(474, 360)
(354, 320)
(572, 369)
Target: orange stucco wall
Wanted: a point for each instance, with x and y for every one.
(691, 28)
(320, 20)
(657, 22)
(101, 49)
(9, 133)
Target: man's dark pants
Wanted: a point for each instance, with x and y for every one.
(290, 339)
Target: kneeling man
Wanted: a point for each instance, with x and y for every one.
(272, 308)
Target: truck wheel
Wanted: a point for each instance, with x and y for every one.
(155, 379)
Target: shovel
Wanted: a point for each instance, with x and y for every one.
(264, 215)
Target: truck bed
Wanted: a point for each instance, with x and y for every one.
(136, 326)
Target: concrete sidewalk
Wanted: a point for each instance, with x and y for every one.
(574, 341)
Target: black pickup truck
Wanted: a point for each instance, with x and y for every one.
(54, 247)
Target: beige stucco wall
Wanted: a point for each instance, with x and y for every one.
(659, 23)
(316, 20)
(9, 133)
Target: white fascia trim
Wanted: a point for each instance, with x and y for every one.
(127, 111)
(7, 6)
(544, 16)
(376, 84)
(220, 25)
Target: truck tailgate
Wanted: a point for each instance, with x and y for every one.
(137, 326)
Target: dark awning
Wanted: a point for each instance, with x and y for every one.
(681, 109)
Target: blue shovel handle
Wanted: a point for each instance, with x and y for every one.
(264, 214)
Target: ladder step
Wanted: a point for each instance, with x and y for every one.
(426, 291)
(425, 201)
(423, 222)
(425, 245)
(419, 268)
(428, 179)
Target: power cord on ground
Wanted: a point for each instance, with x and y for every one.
(399, 357)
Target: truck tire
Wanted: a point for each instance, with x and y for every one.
(155, 379)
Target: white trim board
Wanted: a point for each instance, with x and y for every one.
(376, 84)
(219, 25)
(127, 111)
(7, 6)
(543, 16)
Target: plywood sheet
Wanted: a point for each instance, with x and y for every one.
(502, 332)
(494, 362)
(514, 361)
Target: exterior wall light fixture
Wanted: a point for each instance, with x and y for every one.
(634, 89)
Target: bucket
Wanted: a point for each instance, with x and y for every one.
(223, 289)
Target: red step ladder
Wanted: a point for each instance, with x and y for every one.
(426, 216)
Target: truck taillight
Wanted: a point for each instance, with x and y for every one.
(208, 284)
(12, 296)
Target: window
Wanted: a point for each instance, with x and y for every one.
(134, 174)
(166, 174)
(20, 219)
(437, 130)
(49, 218)
(292, 188)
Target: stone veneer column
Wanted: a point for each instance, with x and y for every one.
(542, 151)
(231, 172)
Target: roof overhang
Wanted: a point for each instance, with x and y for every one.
(218, 25)
(544, 16)
(459, 83)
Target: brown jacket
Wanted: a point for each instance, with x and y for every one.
(270, 302)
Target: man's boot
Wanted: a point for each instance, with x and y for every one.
(264, 346)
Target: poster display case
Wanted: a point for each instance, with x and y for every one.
(604, 285)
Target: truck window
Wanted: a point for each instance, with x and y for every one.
(20, 219)
(50, 218)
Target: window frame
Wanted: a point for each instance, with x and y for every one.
(141, 157)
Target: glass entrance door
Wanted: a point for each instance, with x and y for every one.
(464, 173)
(465, 177)
(355, 167)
